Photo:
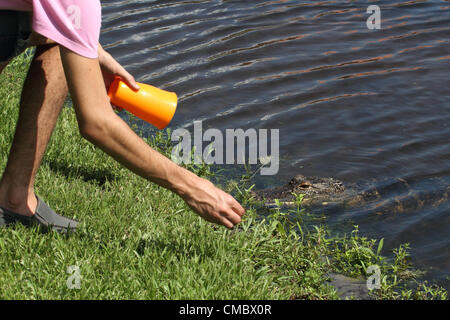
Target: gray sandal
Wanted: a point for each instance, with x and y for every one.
(44, 217)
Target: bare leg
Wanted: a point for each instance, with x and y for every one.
(43, 96)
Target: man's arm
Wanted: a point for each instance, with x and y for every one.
(99, 124)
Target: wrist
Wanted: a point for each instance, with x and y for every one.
(184, 182)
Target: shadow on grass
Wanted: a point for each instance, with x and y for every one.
(162, 247)
(175, 248)
(99, 177)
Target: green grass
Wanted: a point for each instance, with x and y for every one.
(140, 241)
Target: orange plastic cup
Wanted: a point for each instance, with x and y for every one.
(149, 103)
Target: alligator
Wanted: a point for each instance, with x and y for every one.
(382, 197)
(314, 189)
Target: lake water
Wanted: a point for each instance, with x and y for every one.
(368, 107)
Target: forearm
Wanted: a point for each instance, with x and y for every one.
(211, 203)
(117, 139)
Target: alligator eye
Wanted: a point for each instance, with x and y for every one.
(305, 185)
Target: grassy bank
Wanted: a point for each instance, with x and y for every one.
(140, 241)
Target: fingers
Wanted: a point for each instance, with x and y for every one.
(112, 68)
(236, 206)
(225, 216)
(233, 217)
(230, 217)
(131, 82)
(227, 223)
(214, 205)
(128, 78)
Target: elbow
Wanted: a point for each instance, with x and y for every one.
(93, 130)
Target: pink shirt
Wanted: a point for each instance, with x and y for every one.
(74, 24)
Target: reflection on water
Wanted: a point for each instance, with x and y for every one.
(369, 107)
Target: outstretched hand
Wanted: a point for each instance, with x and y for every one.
(213, 204)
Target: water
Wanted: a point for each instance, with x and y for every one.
(369, 107)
